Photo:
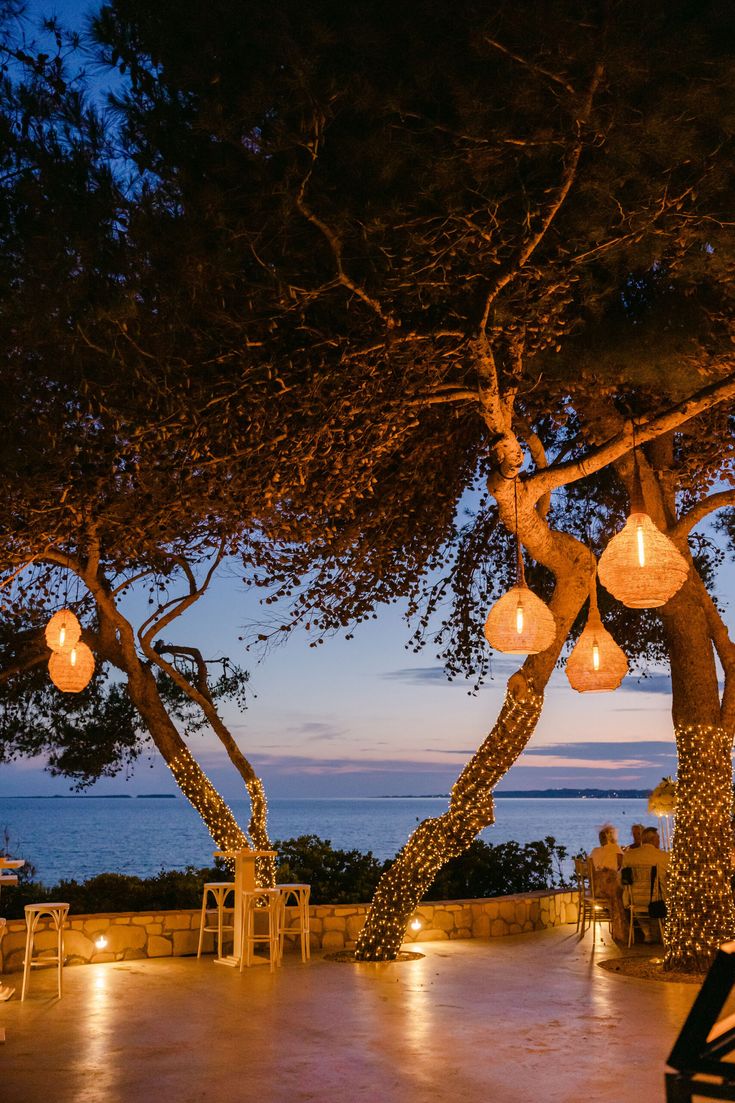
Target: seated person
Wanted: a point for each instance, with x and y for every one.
(636, 831)
(647, 855)
(609, 854)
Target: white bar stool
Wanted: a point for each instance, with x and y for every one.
(295, 897)
(57, 913)
(263, 904)
(219, 890)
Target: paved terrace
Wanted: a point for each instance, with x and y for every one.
(526, 1017)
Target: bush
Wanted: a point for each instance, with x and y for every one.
(335, 876)
(485, 870)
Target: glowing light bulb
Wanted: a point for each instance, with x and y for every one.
(415, 924)
(519, 618)
(641, 545)
(595, 656)
(100, 942)
(62, 635)
(73, 656)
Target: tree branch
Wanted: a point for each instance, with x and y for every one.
(566, 183)
(541, 482)
(334, 242)
(700, 510)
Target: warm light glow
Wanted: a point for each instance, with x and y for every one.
(63, 631)
(100, 942)
(520, 623)
(71, 671)
(415, 924)
(641, 545)
(700, 900)
(595, 656)
(641, 566)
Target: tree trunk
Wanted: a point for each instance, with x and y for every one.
(201, 695)
(438, 839)
(188, 774)
(117, 645)
(701, 914)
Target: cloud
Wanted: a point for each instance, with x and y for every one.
(581, 763)
(435, 675)
(317, 731)
(420, 675)
(610, 749)
(653, 683)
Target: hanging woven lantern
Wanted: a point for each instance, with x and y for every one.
(596, 664)
(63, 631)
(640, 566)
(519, 623)
(71, 671)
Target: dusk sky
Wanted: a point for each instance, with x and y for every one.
(366, 717)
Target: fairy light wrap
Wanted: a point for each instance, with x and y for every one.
(210, 804)
(701, 914)
(437, 840)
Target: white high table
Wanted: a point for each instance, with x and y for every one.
(245, 881)
(11, 864)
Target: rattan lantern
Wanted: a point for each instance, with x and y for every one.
(640, 566)
(596, 664)
(63, 631)
(520, 623)
(71, 671)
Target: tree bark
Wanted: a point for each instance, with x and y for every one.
(201, 695)
(700, 900)
(440, 838)
(117, 645)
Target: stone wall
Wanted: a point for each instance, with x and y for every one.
(131, 935)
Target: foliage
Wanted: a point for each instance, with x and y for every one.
(336, 877)
(117, 892)
(500, 870)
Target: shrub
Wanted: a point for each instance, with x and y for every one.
(336, 877)
(485, 870)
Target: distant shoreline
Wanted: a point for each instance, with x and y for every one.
(540, 794)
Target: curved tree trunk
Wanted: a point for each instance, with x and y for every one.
(438, 839)
(200, 694)
(117, 645)
(701, 913)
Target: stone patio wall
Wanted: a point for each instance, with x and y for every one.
(131, 935)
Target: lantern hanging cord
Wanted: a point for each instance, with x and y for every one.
(520, 574)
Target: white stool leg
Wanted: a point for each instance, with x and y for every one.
(220, 919)
(30, 927)
(59, 920)
(305, 936)
(202, 921)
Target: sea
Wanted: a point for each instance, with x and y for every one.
(78, 837)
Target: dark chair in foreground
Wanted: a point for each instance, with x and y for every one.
(703, 1045)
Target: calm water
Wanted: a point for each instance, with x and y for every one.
(79, 837)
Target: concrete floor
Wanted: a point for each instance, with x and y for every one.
(528, 1017)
